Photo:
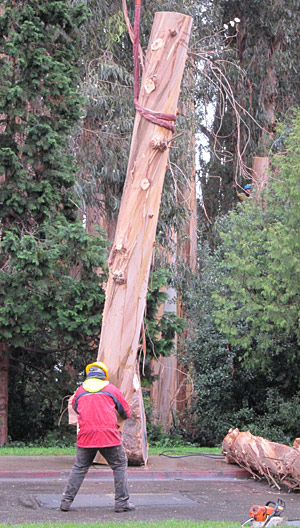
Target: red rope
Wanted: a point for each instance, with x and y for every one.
(158, 118)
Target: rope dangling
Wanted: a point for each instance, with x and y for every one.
(158, 118)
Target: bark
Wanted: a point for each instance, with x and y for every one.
(184, 388)
(3, 394)
(187, 252)
(163, 390)
(260, 174)
(278, 463)
(130, 258)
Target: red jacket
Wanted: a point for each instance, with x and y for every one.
(97, 419)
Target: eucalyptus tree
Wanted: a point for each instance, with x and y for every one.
(103, 140)
(262, 70)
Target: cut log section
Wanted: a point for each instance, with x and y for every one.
(278, 463)
(130, 258)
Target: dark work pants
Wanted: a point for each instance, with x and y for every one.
(117, 460)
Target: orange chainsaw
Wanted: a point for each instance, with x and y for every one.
(268, 515)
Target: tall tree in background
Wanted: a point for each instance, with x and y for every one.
(50, 294)
(262, 70)
(244, 312)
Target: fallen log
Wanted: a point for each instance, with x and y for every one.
(278, 463)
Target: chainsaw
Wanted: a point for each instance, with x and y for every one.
(268, 515)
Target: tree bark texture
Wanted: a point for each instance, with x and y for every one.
(278, 463)
(187, 253)
(3, 394)
(261, 165)
(163, 390)
(130, 257)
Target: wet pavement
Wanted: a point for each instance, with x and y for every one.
(193, 488)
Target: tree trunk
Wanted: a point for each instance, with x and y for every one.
(186, 253)
(163, 390)
(3, 394)
(130, 258)
(278, 463)
(260, 174)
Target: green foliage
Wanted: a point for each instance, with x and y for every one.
(51, 294)
(259, 302)
(244, 345)
(160, 328)
(38, 83)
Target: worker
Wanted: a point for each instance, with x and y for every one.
(95, 401)
(247, 189)
(244, 193)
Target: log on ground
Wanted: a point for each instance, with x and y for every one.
(278, 463)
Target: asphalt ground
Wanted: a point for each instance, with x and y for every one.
(188, 488)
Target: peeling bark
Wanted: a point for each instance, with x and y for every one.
(278, 463)
(130, 258)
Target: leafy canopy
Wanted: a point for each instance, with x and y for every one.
(258, 300)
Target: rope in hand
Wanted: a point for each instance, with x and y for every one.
(157, 118)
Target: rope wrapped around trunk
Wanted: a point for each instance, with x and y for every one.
(158, 118)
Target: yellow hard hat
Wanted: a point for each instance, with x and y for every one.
(97, 364)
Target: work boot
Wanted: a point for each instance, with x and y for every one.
(128, 506)
(65, 505)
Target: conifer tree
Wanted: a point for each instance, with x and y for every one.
(50, 295)
(244, 308)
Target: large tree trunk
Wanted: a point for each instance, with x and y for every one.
(3, 394)
(278, 463)
(131, 253)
